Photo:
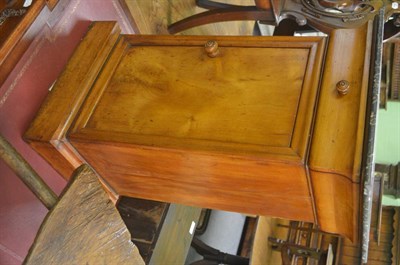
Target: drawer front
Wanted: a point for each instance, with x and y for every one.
(339, 126)
(336, 148)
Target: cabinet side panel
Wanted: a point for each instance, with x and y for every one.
(339, 124)
(255, 186)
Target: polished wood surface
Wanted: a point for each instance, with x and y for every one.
(347, 59)
(227, 13)
(153, 17)
(162, 120)
(337, 203)
(219, 182)
(214, 114)
(80, 228)
(219, 104)
(336, 148)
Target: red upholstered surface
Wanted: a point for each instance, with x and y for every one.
(20, 97)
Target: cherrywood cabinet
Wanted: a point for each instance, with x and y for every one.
(260, 128)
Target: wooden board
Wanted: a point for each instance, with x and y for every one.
(83, 228)
(239, 115)
(229, 103)
(153, 17)
(176, 235)
(133, 113)
(337, 145)
(262, 252)
(347, 59)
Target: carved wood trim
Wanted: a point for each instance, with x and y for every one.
(396, 238)
(395, 80)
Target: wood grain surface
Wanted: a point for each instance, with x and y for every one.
(83, 228)
(157, 129)
(231, 183)
(210, 99)
(340, 121)
(236, 125)
(337, 203)
(336, 147)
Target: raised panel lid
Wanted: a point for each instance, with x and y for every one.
(256, 96)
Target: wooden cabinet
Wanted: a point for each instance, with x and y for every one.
(260, 128)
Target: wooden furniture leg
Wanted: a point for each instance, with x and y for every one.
(221, 15)
(25, 172)
(83, 227)
(210, 5)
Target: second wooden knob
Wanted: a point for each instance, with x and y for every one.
(211, 48)
(342, 87)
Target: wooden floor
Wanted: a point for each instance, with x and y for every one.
(262, 252)
(153, 17)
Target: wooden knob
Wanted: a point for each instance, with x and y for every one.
(343, 87)
(211, 48)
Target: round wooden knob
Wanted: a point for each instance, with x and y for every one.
(211, 48)
(343, 87)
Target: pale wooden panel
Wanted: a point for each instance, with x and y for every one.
(83, 228)
(336, 200)
(176, 229)
(231, 98)
(203, 180)
(339, 125)
(153, 17)
(262, 252)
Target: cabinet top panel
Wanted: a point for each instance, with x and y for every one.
(246, 99)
